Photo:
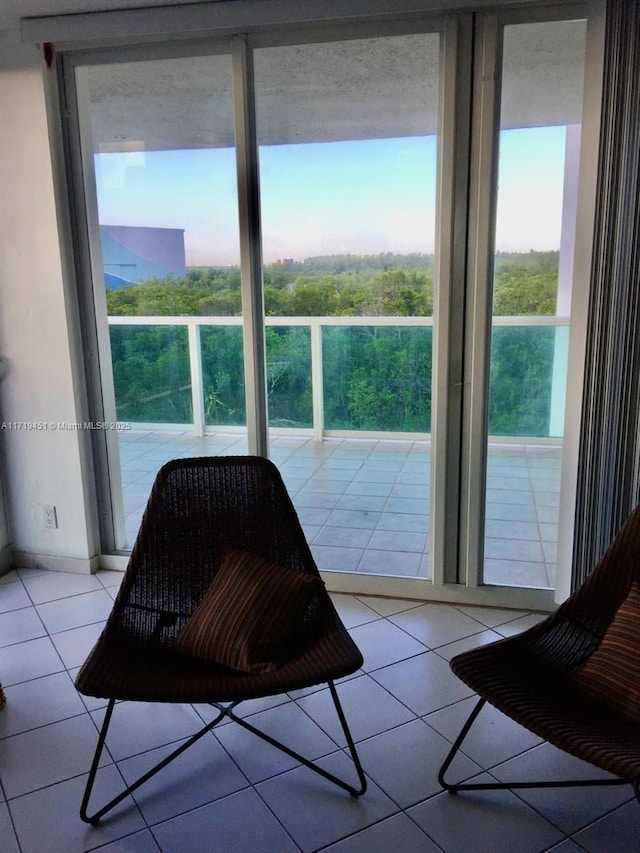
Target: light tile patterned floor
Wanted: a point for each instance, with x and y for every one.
(233, 794)
(364, 505)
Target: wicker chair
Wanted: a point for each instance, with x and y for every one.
(539, 678)
(198, 510)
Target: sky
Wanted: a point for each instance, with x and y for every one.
(360, 197)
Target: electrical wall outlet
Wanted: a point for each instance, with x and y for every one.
(49, 516)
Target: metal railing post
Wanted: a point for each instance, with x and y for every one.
(317, 381)
(197, 390)
(559, 381)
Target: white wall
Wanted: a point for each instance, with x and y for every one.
(38, 466)
(5, 537)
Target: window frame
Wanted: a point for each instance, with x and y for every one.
(468, 118)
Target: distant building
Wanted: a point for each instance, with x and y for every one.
(132, 253)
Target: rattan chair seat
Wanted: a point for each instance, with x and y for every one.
(126, 671)
(519, 684)
(530, 677)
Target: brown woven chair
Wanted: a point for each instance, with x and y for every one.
(539, 678)
(198, 511)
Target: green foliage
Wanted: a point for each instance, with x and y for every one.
(400, 293)
(525, 285)
(351, 286)
(375, 378)
(341, 285)
(311, 297)
(211, 292)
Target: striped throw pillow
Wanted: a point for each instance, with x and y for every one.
(250, 616)
(612, 673)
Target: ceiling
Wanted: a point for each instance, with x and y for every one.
(373, 88)
(12, 10)
(334, 91)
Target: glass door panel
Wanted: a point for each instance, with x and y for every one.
(163, 217)
(538, 162)
(347, 135)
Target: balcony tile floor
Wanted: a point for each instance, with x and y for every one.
(364, 504)
(234, 794)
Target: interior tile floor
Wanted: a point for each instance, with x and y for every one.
(234, 794)
(364, 504)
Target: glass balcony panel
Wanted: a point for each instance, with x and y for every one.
(378, 378)
(151, 374)
(521, 381)
(223, 376)
(289, 384)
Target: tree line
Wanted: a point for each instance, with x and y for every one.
(341, 285)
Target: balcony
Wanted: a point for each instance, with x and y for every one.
(362, 494)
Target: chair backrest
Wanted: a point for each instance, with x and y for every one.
(609, 583)
(576, 629)
(197, 508)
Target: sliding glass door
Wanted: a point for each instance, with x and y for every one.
(160, 170)
(350, 249)
(347, 134)
(533, 207)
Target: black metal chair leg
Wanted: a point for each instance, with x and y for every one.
(498, 786)
(453, 789)
(224, 711)
(95, 818)
(355, 792)
(94, 765)
(352, 747)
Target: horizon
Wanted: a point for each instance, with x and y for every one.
(357, 198)
(281, 261)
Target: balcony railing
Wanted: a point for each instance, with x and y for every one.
(347, 375)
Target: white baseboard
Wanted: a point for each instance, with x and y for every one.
(114, 562)
(80, 565)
